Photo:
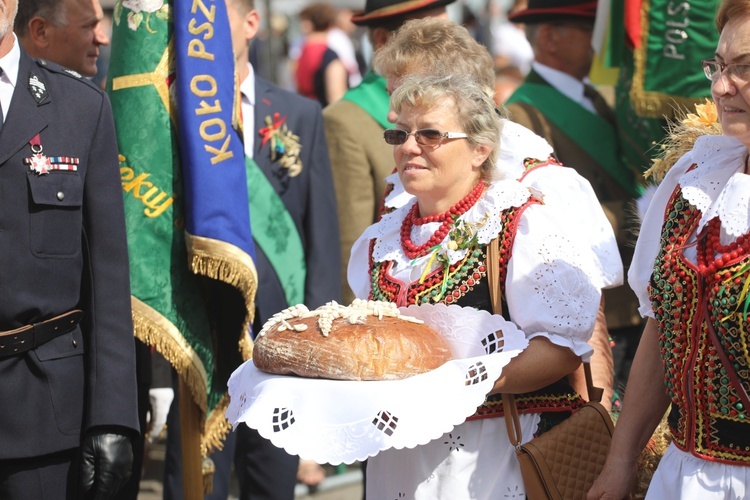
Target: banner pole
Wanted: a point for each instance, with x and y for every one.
(190, 427)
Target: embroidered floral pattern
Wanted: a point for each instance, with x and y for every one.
(454, 443)
(285, 146)
(140, 12)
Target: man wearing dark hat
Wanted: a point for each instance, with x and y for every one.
(557, 102)
(354, 128)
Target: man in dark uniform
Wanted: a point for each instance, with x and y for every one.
(71, 33)
(66, 345)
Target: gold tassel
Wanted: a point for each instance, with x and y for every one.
(207, 469)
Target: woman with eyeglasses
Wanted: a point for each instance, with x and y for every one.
(691, 271)
(433, 249)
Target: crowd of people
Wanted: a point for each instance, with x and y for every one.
(418, 147)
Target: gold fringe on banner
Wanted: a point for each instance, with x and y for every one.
(217, 428)
(155, 330)
(226, 263)
(230, 265)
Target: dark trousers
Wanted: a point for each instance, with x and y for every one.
(264, 472)
(51, 477)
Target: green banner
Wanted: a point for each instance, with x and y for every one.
(676, 37)
(169, 309)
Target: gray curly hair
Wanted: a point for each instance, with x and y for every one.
(474, 107)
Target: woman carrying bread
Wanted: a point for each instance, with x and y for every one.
(433, 249)
(691, 271)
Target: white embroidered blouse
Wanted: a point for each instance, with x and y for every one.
(563, 254)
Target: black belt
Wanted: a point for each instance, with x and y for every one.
(29, 337)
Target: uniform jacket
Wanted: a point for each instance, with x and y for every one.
(616, 202)
(309, 198)
(361, 160)
(63, 242)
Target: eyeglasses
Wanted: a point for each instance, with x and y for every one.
(424, 137)
(713, 70)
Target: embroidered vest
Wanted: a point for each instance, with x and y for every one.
(707, 417)
(467, 287)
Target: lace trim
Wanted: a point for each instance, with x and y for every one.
(718, 186)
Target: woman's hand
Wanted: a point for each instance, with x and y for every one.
(615, 482)
(643, 407)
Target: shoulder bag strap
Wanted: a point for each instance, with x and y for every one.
(493, 281)
(510, 410)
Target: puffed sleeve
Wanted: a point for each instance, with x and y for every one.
(550, 287)
(358, 268)
(567, 192)
(649, 234)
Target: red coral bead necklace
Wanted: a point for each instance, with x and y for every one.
(707, 260)
(412, 219)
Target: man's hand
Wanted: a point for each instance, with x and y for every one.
(106, 464)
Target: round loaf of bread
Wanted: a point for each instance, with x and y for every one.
(365, 341)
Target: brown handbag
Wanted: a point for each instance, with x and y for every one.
(563, 462)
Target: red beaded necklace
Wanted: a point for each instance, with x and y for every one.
(708, 263)
(446, 219)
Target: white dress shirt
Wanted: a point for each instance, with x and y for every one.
(247, 88)
(9, 64)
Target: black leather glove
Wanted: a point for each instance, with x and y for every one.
(106, 464)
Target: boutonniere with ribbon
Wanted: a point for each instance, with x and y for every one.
(285, 146)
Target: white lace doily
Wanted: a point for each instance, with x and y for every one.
(332, 421)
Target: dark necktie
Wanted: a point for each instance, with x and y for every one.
(600, 105)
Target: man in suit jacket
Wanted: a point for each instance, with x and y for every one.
(557, 103)
(66, 340)
(360, 159)
(293, 217)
